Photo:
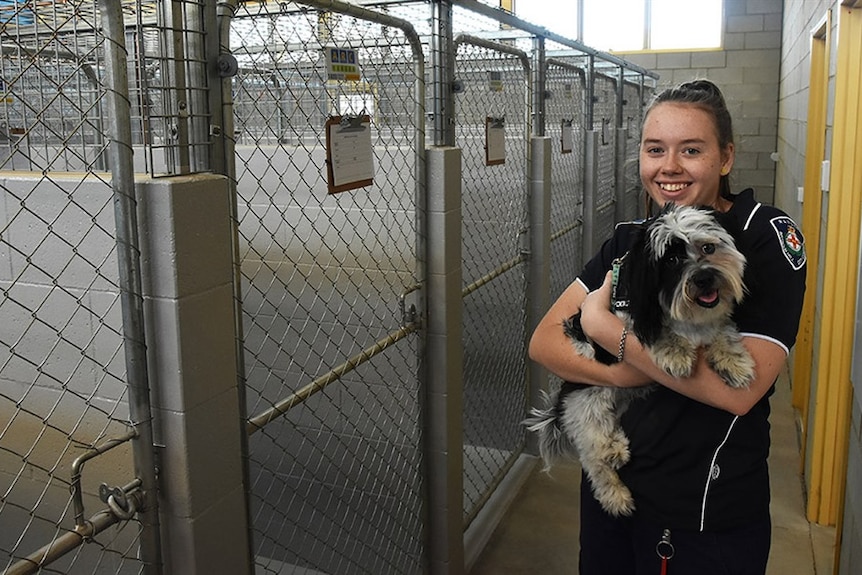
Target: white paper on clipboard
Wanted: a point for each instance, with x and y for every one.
(495, 141)
(351, 154)
(567, 138)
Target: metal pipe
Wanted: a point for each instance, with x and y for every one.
(72, 539)
(225, 12)
(569, 228)
(539, 86)
(257, 422)
(496, 46)
(131, 293)
(492, 275)
(78, 470)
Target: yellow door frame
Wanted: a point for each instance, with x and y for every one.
(815, 150)
(835, 348)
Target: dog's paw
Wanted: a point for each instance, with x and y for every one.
(616, 452)
(677, 362)
(736, 375)
(617, 501)
(732, 364)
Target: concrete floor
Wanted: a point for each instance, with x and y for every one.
(539, 532)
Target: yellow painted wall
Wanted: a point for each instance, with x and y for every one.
(828, 456)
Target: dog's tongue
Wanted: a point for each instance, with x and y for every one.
(708, 299)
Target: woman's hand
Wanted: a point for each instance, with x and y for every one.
(596, 309)
(550, 347)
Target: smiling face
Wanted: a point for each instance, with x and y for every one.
(681, 160)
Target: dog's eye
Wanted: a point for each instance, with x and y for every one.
(708, 249)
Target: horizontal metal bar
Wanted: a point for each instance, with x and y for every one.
(493, 275)
(72, 539)
(495, 46)
(563, 231)
(257, 422)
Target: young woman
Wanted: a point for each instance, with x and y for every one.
(698, 471)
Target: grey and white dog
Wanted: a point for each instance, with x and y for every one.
(680, 281)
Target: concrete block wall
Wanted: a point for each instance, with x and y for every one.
(801, 17)
(747, 70)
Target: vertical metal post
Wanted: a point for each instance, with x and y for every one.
(538, 290)
(442, 73)
(621, 138)
(591, 172)
(224, 162)
(539, 86)
(591, 91)
(175, 102)
(621, 199)
(128, 256)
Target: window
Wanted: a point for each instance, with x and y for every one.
(631, 25)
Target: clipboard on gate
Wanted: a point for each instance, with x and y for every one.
(495, 141)
(349, 154)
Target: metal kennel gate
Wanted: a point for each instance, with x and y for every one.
(328, 291)
(494, 87)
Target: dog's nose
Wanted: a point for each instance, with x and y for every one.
(704, 279)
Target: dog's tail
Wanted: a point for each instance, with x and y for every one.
(545, 422)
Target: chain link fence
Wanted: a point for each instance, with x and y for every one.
(63, 379)
(329, 286)
(566, 113)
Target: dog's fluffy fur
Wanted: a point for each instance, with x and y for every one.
(683, 277)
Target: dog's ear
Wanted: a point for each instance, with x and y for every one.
(644, 284)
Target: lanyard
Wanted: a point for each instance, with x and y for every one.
(664, 549)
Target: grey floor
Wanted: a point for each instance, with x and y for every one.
(539, 533)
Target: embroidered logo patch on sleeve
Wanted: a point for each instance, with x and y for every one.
(791, 240)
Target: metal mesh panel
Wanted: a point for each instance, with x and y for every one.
(62, 363)
(604, 118)
(494, 217)
(170, 110)
(632, 119)
(335, 483)
(50, 116)
(566, 105)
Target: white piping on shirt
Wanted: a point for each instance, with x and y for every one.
(751, 216)
(709, 472)
(583, 285)
(766, 338)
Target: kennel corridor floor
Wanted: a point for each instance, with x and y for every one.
(539, 532)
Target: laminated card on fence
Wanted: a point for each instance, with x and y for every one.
(567, 140)
(349, 155)
(495, 141)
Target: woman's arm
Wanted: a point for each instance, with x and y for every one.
(552, 348)
(704, 385)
